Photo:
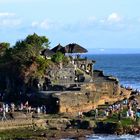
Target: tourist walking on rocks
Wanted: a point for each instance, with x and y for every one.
(38, 110)
(80, 114)
(21, 107)
(12, 107)
(44, 109)
(96, 113)
(106, 113)
(127, 114)
(28, 109)
(26, 104)
(3, 115)
(6, 108)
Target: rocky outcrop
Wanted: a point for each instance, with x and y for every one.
(103, 89)
(90, 96)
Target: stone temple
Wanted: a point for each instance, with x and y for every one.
(76, 86)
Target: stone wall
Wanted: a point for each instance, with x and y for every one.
(63, 75)
(90, 95)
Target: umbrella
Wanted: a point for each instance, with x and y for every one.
(58, 48)
(47, 53)
(75, 48)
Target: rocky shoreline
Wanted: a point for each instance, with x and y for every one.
(64, 125)
(73, 133)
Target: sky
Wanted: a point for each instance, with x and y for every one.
(101, 26)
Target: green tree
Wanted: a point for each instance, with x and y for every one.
(27, 51)
(58, 57)
(3, 47)
(30, 48)
(22, 62)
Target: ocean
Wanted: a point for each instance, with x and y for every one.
(126, 67)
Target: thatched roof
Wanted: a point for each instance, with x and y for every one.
(58, 48)
(47, 53)
(75, 48)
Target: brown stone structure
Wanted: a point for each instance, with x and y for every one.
(76, 69)
(90, 90)
(85, 64)
(89, 97)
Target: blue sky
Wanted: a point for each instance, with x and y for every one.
(101, 26)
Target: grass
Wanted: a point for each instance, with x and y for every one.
(124, 121)
(17, 133)
(27, 133)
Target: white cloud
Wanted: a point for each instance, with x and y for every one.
(114, 17)
(6, 14)
(113, 22)
(35, 24)
(45, 24)
(9, 20)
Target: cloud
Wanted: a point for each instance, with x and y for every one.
(114, 17)
(6, 14)
(35, 24)
(112, 22)
(45, 24)
(9, 20)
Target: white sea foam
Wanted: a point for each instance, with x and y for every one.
(113, 137)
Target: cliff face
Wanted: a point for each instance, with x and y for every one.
(89, 97)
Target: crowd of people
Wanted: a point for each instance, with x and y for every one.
(23, 107)
(128, 108)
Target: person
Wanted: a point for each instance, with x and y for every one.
(87, 71)
(12, 107)
(132, 114)
(29, 109)
(96, 113)
(106, 113)
(76, 79)
(21, 106)
(38, 110)
(26, 104)
(6, 108)
(127, 114)
(44, 109)
(80, 114)
(4, 115)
